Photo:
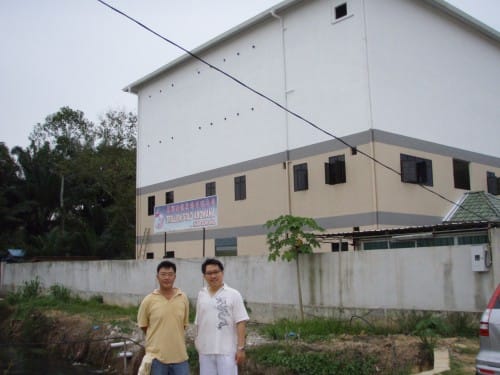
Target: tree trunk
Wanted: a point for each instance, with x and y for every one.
(299, 287)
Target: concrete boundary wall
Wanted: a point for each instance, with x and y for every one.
(434, 278)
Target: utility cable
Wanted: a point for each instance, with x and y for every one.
(295, 114)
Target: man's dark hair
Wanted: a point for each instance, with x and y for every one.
(212, 261)
(166, 264)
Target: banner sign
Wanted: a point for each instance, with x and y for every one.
(197, 213)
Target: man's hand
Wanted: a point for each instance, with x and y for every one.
(240, 357)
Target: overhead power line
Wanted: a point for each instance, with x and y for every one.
(279, 105)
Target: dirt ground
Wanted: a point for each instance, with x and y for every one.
(396, 351)
(392, 350)
(463, 352)
(77, 339)
(405, 349)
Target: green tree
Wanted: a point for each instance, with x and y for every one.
(291, 237)
(37, 191)
(10, 199)
(78, 185)
(67, 133)
(118, 129)
(64, 130)
(108, 200)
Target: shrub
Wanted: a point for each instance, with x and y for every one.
(462, 324)
(31, 289)
(97, 299)
(428, 330)
(60, 293)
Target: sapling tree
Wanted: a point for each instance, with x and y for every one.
(290, 236)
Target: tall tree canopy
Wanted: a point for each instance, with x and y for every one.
(9, 195)
(73, 188)
(62, 126)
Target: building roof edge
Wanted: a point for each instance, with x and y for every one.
(466, 18)
(267, 14)
(264, 15)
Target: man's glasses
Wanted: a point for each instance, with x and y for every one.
(212, 273)
(166, 274)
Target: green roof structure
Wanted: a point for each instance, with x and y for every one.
(475, 206)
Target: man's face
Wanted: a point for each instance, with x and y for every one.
(166, 277)
(214, 276)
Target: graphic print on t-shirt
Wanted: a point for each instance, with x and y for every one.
(223, 314)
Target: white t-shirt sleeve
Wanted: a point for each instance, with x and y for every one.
(239, 311)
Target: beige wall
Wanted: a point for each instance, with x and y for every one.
(263, 187)
(322, 200)
(351, 203)
(395, 196)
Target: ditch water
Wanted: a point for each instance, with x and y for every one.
(28, 361)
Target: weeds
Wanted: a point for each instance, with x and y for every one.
(425, 325)
(290, 356)
(309, 330)
(294, 360)
(29, 298)
(462, 324)
(428, 330)
(29, 289)
(456, 368)
(60, 293)
(193, 359)
(406, 322)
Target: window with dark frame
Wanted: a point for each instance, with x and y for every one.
(461, 177)
(419, 242)
(151, 205)
(416, 170)
(240, 188)
(226, 246)
(150, 255)
(340, 11)
(300, 177)
(210, 189)
(493, 183)
(169, 197)
(473, 239)
(335, 170)
(336, 246)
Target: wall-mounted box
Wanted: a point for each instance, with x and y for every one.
(479, 258)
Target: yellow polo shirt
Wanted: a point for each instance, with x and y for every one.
(166, 321)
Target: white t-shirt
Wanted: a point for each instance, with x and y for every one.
(216, 318)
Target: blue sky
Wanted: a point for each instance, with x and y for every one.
(80, 54)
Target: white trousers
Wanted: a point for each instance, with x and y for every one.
(218, 364)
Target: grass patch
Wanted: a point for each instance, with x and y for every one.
(462, 324)
(318, 329)
(193, 359)
(291, 359)
(29, 297)
(456, 368)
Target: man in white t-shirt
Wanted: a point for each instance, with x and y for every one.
(220, 322)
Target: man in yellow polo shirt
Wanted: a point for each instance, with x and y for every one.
(163, 316)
